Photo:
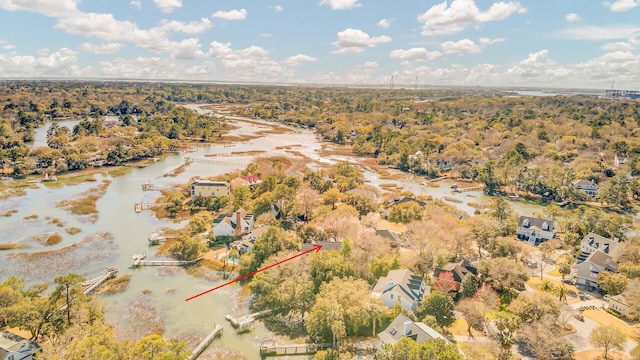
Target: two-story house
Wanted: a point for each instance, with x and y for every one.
(588, 186)
(15, 347)
(237, 224)
(400, 284)
(208, 188)
(595, 257)
(535, 230)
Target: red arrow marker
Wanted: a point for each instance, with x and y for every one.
(316, 248)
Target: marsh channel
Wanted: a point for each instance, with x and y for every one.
(155, 297)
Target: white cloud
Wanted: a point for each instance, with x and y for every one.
(384, 23)
(265, 35)
(136, 3)
(341, 4)
(487, 41)
(53, 8)
(59, 63)
(598, 33)
(355, 41)
(464, 46)
(192, 27)
(167, 6)
(420, 54)
(618, 46)
(572, 17)
(186, 49)
(43, 52)
(101, 49)
(4, 44)
(441, 19)
(231, 15)
(277, 8)
(297, 59)
(621, 5)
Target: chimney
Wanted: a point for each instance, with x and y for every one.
(407, 328)
(238, 223)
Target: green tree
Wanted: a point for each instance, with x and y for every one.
(440, 306)
(200, 223)
(612, 283)
(507, 325)
(71, 284)
(405, 213)
(188, 248)
(469, 286)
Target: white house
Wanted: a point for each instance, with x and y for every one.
(236, 224)
(588, 186)
(619, 304)
(14, 347)
(402, 327)
(400, 284)
(535, 230)
(593, 242)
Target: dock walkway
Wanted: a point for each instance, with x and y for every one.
(245, 320)
(91, 285)
(139, 260)
(189, 160)
(217, 330)
(268, 349)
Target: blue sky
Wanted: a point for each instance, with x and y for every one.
(567, 43)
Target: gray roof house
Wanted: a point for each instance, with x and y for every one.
(402, 327)
(400, 284)
(15, 347)
(535, 230)
(588, 186)
(587, 271)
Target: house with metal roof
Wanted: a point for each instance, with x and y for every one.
(402, 327)
(15, 347)
(401, 285)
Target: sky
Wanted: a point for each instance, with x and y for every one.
(534, 43)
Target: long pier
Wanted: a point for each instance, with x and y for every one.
(189, 160)
(245, 320)
(217, 330)
(148, 186)
(273, 349)
(137, 261)
(471, 188)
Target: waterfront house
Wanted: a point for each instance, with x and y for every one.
(535, 230)
(402, 327)
(400, 284)
(15, 347)
(207, 188)
(593, 242)
(237, 224)
(588, 186)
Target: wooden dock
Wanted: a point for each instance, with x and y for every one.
(138, 207)
(91, 285)
(471, 188)
(138, 260)
(189, 160)
(268, 349)
(217, 331)
(245, 320)
(148, 186)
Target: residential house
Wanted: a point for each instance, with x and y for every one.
(402, 327)
(587, 271)
(250, 180)
(619, 304)
(236, 224)
(593, 242)
(458, 271)
(15, 347)
(619, 161)
(326, 245)
(535, 230)
(400, 284)
(207, 188)
(588, 186)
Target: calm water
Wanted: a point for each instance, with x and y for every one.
(155, 296)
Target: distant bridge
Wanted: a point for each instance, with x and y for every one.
(189, 160)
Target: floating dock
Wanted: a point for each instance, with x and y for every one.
(245, 320)
(139, 260)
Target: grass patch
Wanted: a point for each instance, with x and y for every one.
(74, 179)
(459, 327)
(119, 171)
(177, 171)
(477, 351)
(115, 285)
(12, 246)
(10, 213)
(31, 217)
(396, 227)
(53, 239)
(605, 319)
(57, 222)
(72, 230)
(432, 184)
(87, 204)
(452, 199)
(597, 355)
(479, 205)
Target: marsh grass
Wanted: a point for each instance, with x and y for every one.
(452, 199)
(53, 239)
(12, 246)
(72, 230)
(10, 213)
(31, 217)
(115, 285)
(57, 222)
(86, 205)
